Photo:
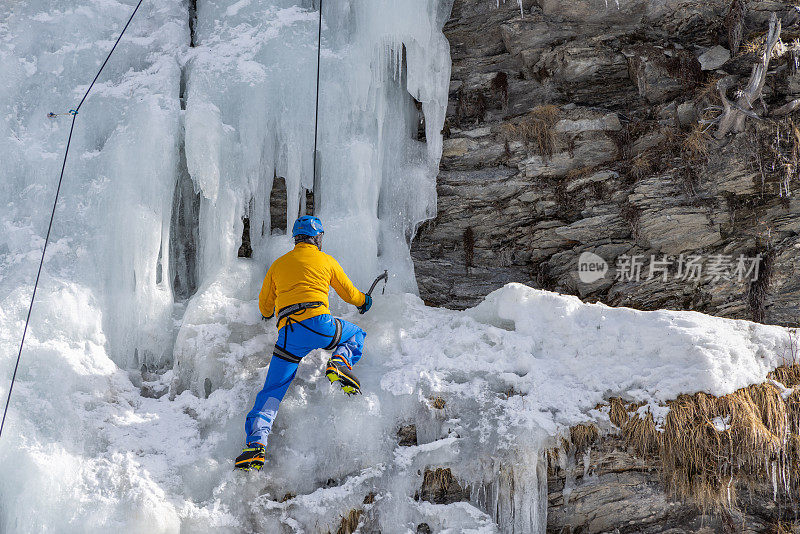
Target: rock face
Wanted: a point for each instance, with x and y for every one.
(578, 127)
(611, 490)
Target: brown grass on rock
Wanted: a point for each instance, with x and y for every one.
(641, 165)
(618, 412)
(640, 432)
(708, 92)
(583, 437)
(439, 486)
(536, 128)
(788, 375)
(708, 445)
(695, 146)
(349, 523)
(438, 403)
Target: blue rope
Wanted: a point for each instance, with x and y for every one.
(74, 113)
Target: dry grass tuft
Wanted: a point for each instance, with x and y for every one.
(788, 375)
(580, 172)
(438, 403)
(708, 92)
(618, 413)
(695, 146)
(439, 478)
(709, 445)
(640, 433)
(349, 523)
(583, 437)
(641, 165)
(782, 527)
(441, 487)
(536, 128)
(755, 43)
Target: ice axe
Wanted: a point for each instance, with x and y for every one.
(384, 277)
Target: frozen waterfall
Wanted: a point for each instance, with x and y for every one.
(178, 145)
(190, 159)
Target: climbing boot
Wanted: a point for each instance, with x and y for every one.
(339, 370)
(252, 457)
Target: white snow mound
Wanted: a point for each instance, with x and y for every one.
(86, 451)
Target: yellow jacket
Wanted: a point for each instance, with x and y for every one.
(304, 275)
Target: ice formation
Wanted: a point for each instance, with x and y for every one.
(146, 348)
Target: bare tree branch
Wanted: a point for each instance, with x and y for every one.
(733, 118)
(787, 108)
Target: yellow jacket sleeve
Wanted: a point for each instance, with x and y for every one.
(266, 298)
(343, 286)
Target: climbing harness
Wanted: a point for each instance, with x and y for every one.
(74, 113)
(299, 309)
(295, 308)
(284, 354)
(289, 312)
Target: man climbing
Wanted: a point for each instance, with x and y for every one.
(297, 286)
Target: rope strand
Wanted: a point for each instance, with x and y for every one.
(74, 113)
(316, 105)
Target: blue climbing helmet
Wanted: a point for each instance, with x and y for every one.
(307, 225)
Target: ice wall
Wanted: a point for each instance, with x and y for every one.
(112, 225)
(104, 300)
(176, 145)
(155, 195)
(250, 97)
(250, 117)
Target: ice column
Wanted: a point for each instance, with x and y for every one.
(111, 230)
(250, 117)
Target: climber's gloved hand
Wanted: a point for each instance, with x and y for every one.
(364, 308)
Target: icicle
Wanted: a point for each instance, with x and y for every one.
(728, 491)
(567, 460)
(587, 458)
(774, 481)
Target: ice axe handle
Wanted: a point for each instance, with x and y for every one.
(384, 277)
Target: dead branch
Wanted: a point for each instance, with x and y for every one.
(787, 108)
(734, 115)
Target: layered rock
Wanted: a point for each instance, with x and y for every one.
(575, 127)
(611, 489)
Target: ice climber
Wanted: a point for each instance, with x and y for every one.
(297, 286)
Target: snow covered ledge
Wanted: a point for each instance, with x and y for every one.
(644, 356)
(537, 363)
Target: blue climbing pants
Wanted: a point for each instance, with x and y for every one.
(298, 340)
